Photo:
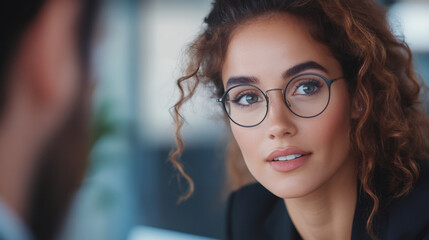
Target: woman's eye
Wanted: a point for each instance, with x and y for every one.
(307, 88)
(248, 99)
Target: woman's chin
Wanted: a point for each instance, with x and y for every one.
(289, 189)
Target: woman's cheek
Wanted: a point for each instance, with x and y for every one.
(331, 130)
(247, 141)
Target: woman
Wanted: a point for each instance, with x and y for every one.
(322, 101)
(43, 112)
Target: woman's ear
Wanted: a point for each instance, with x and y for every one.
(357, 108)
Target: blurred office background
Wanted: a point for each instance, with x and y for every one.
(130, 182)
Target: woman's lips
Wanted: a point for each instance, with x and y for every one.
(288, 159)
(287, 154)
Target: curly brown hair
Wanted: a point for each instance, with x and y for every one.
(392, 131)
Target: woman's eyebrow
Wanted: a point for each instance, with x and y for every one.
(302, 67)
(241, 80)
(287, 74)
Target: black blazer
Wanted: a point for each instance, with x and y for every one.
(255, 213)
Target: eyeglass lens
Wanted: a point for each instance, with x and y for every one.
(306, 95)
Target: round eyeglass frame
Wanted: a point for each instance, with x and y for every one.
(327, 81)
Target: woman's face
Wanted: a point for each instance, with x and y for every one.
(268, 52)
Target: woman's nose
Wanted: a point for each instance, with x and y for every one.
(279, 119)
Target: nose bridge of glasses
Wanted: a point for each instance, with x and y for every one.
(274, 89)
(278, 108)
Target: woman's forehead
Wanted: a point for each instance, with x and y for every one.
(273, 43)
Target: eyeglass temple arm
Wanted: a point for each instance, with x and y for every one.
(330, 81)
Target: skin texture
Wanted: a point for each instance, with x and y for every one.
(320, 195)
(44, 78)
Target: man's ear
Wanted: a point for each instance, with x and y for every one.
(37, 61)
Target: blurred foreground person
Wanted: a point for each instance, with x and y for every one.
(43, 112)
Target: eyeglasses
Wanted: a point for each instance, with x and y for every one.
(306, 95)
